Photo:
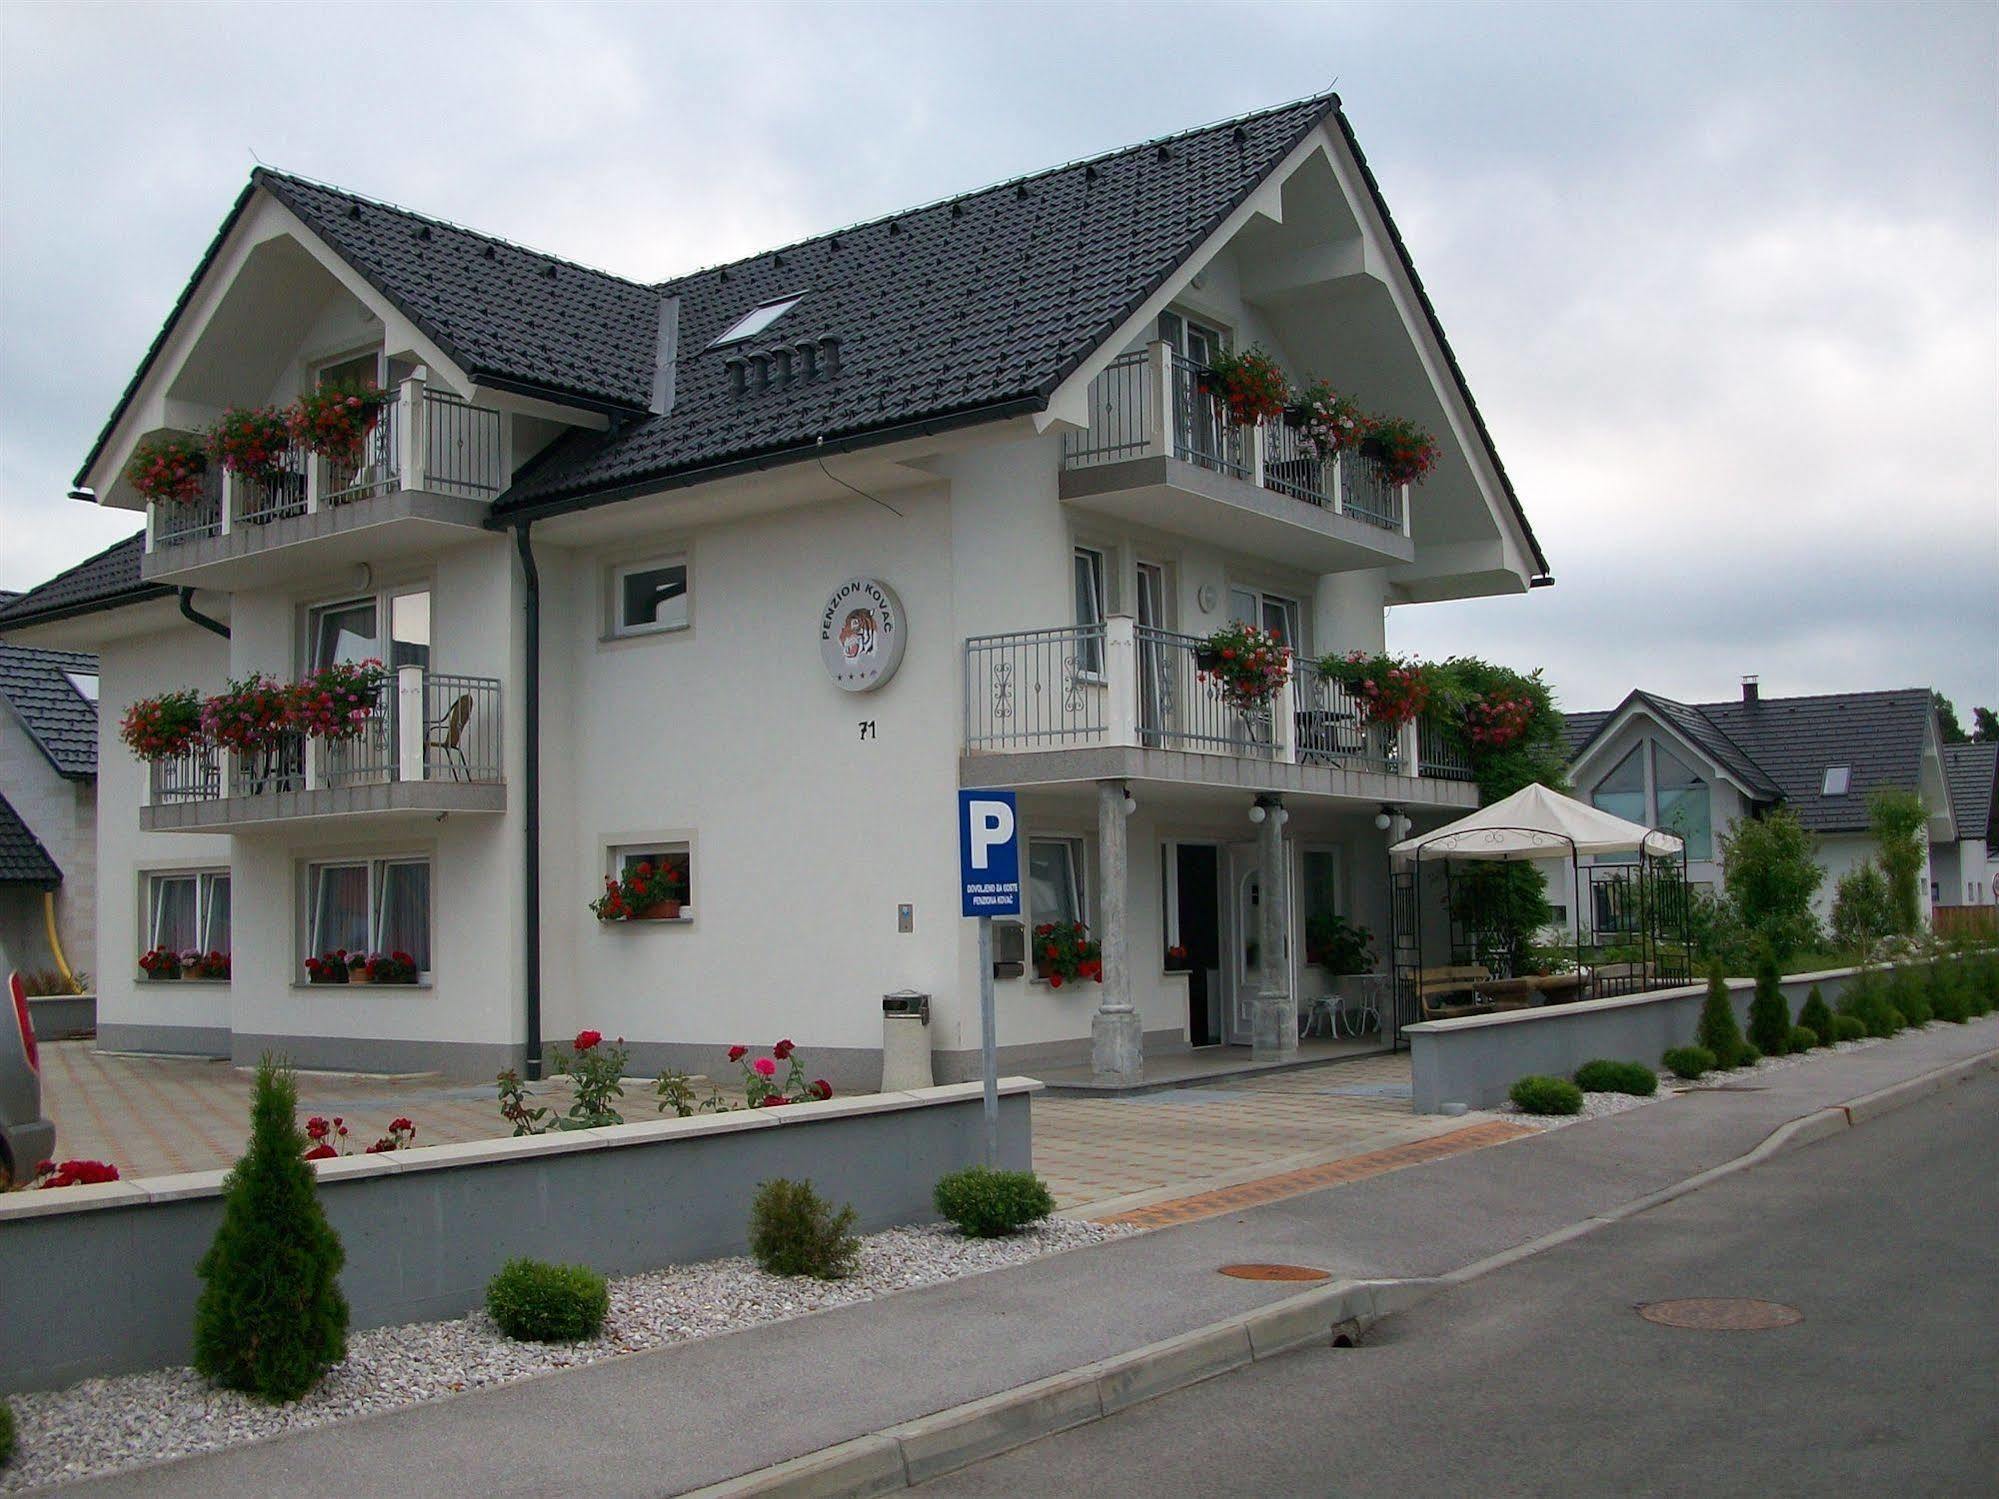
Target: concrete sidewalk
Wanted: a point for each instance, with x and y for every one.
(667, 1421)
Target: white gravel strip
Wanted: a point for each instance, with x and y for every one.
(1595, 1106)
(102, 1425)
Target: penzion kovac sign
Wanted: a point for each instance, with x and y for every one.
(861, 634)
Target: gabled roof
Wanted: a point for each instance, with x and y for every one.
(1973, 773)
(23, 860)
(61, 720)
(1780, 748)
(105, 581)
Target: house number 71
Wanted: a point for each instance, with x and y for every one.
(867, 728)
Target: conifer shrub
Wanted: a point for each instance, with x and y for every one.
(1546, 1095)
(1866, 1000)
(1803, 1038)
(988, 1204)
(1634, 1078)
(1816, 1017)
(542, 1303)
(1717, 1032)
(1909, 992)
(1848, 1028)
(271, 1318)
(1769, 1014)
(1688, 1062)
(1950, 997)
(6, 1433)
(795, 1231)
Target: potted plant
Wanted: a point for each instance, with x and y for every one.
(335, 422)
(252, 713)
(1246, 664)
(1332, 423)
(1404, 452)
(205, 965)
(160, 963)
(1247, 388)
(336, 702)
(251, 442)
(1389, 689)
(1064, 953)
(1177, 960)
(647, 892)
(327, 968)
(163, 727)
(168, 470)
(390, 968)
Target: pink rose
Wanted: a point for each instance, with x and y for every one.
(765, 1067)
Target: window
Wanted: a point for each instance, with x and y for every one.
(1622, 792)
(649, 597)
(188, 911)
(1054, 880)
(1684, 806)
(1273, 612)
(344, 632)
(1090, 609)
(1838, 780)
(85, 683)
(753, 322)
(661, 854)
(1318, 898)
(370, 906)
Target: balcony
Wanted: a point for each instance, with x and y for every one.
(432, 747)
(431, 466)
(1094, 702)
(1156, 451)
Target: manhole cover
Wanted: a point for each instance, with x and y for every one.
(1276, 1272)
(1721, 1314)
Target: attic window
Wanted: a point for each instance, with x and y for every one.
(1837, 779)
(85, 683)
(756, 320)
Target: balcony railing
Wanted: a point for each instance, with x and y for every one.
(1121, 683)
(422, 439)
(427, 726)
(1149, 403)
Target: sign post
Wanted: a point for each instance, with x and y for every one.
(989, 874)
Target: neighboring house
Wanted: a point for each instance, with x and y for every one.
(1961, 873)
(751, 570)
(1699, 768)
(48, 808)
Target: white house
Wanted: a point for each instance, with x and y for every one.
(1961, 872)
(753, 569)
(48, 810)
(1699, 768)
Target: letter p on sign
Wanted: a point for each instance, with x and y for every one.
(991, 824)
(989, 853)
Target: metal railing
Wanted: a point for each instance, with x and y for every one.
(1291, 465)
(1200, 436)
(1366, 495)
(1333, 727)
(194, 775)
(1035, 689)
(464, 451)
(1180, 708)
(278, 766)
(176, 524)
(1439, 756)
(374, 470)
(1120, 402)
(259, 501)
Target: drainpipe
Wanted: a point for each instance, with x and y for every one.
(187, 608)
(531, 854)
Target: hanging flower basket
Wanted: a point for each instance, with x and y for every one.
(1332, 423)
(1404, 452)
(335, 423)
(648, 892)
(251, 442)
(1389, 689)
(168, 470)
(252, 713)
(1246, 388)
(1245, 664)
(163, 727)
(1063, 953)
(336, 702)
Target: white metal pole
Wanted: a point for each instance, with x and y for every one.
(988, 1049)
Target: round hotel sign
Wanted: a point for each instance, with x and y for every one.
(861, 633)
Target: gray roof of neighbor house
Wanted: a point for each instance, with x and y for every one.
(1781, 747)
(968, 309)
(61, 720)
(23, 860)
(1973, 770)
(104, 581)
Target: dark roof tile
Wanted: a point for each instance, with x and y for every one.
(1973, 771)
(23, 860)
(104, 581)
(61, 721)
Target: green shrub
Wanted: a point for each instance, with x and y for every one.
(1769, 1013)
(1688, 1062)
(988, 1204)
(271, 1318)
(1816, 1018)
(1546, 1095)
(1950, 995)
(1634, 1078)
(6, 1433)
(1866, 1000)
(1717, 1031)
(1909, 992)
(1848, 1028)
(1803, 1038)
(795, 1231)
(1749, 1056)
(542, 1303)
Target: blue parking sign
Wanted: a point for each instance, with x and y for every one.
(989, 853)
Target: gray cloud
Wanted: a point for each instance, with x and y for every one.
(1721, 276)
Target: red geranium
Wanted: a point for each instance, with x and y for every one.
(75, 1173)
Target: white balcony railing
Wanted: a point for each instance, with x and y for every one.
(422, 439)
(428, 726)
(1149, 404)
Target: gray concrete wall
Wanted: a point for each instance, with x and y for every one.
(425, 1230)
(1474, 1060)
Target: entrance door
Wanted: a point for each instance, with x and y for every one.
(1197, 905)
(1244, 972)
(1201, 433)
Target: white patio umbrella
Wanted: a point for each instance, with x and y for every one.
(1536, 823)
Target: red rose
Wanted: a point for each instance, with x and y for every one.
(820, 1088)
(1055, 981)
(775, 1101)
(782, 1051)
(320, 1152)
(587, 1039)
(737, 1053)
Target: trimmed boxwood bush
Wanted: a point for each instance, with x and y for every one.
(795, 1231)
(988, 1204)
(542, 1303)
(1816, 1018)
(1867, 1001)
(1688, 1062)
(1848, 1028)
(1546, 1095)
(1634, 1078)
(1803, 1038)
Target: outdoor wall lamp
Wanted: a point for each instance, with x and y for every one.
(1384, 819)
(1130, 802)
(1256, 812)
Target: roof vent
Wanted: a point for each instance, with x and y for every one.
(776, 258)
(1241, 136)
(353, 210)
(957, 210)
(830, 354)
(894, 228)
(423, 231)
(1750, 692)
(736, 369)
(833, 242)
(808, 359)
(1089, 174)
(490, 253)
(1020, 190)
(1164, 154)
(548, 271)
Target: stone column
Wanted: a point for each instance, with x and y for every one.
(1116, 1054)
(1274, 1011)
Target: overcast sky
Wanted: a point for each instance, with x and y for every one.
(1724, 279)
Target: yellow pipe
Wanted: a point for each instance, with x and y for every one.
(55, 942)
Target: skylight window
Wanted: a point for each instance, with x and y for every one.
(753, 322)
(1837, 779)
(85, 683)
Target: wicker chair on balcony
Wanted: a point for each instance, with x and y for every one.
(446, 735)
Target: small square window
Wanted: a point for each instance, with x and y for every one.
(649, 597)
(1838, 778)
(85, 683)
(674, 857)
(753, 322)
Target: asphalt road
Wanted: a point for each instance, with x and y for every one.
(1542, 1379)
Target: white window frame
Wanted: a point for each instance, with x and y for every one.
(204, 906)
(630, 845)
(614, 614)
(375, 865)
(1845, 774)
(1289, 605)
(78, 678)
(1077, 849)
(755, 321)
(1096, 564)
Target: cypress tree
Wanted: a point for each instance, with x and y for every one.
(1769, 1014)
(271, 1318)
(1816, 1018)
(1718, 1031)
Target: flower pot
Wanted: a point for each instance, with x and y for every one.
(665, 910)
(1207, 658)
(358, 976)
(1295, 417)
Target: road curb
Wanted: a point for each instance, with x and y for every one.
(916, 1451)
